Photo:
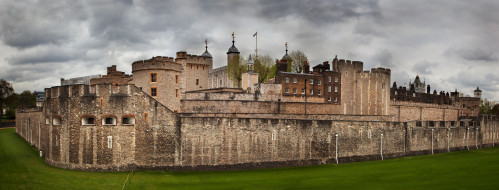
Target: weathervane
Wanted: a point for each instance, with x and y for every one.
(286, 44)
(206, 42)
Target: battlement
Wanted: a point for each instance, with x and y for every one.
(81, 90)
(349, 64)
(156, 63)
(192, 58)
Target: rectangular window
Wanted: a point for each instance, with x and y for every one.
(287, 80)
(328, 88)
(109, 141)
(294, 80)
(294, 90)
(318, 82)
(287, 90)
(311, 81)
(328, 79)
(335, 79)
(197, 81)
(302, 91)
(335, 99)
(220, 83)
(154, 92)
(329, 98)
(335, 89)
(154, 77)
(176, 93)
(319, 92)
(464, 105)
(176, 79)
(395, 92)
(311, 92)
(413, 94)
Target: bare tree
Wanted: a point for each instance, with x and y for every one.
(5, 91)
(297, 60)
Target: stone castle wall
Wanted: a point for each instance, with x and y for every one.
(161, 139)
(412, 111)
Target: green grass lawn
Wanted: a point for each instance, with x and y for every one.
(21, 168)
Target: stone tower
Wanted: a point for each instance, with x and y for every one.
(478, 93)
(419, 87)
(232, 52)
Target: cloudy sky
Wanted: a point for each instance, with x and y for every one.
(450, 44)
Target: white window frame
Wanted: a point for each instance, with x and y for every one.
(84, 121)
(286, 90)
(113, 121)
(311, 92)
(131, 120)
(328, 79)
(329, 99)
(287, 79)
(318, 92)
(109, 141)
(335, 79)
(295, 80)
(311, 81)
(335, 89)
(319, 82)
(328, 88)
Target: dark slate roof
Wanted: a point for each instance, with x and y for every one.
(206, 54)
(233, 49)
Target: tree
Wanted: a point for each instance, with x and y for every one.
(5, 91)
(27, 99)
(485, 107)
(264, 65)
(495, 110)
(297, 60)
(12, 101)
(235, 68)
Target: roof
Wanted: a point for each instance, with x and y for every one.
(206, 54)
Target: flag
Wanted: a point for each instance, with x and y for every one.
(254, 34)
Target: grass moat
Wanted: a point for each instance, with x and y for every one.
(22, 168)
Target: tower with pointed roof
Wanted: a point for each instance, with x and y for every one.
(478, 93)
(418, 86)
(233, 52)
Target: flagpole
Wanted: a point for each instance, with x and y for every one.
(256, 50)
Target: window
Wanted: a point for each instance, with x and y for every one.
(129, 120)
(56, 121)
(220, 83)
(311, 92)
(287, 79)
(335, 79)
(329, 98)
(109, 141)
(294, 90)
(395, 92)
(197, 81)
(311, 81)
(464, 105)
(294, 80)
(88, 121)
(329, 89)
(154, 77)
(109, 121)
(176, 79)
(176, 93)
(154, 92)
(413, 94)
(318, 82)
(328, 79)
(47, 121)
(335, 89)
(302, 91)
(319, 92)
(287, 90)
(335, 99)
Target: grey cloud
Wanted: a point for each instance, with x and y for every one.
(472, 54)
(424, 67)
(383, 58)
(319, 12)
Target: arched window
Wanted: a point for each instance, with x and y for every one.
(109, 120)
(128, 120)
(56, 120)
(88, 120)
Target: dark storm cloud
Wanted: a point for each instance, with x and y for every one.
(45, 55)
(28, 24)
(472, 54)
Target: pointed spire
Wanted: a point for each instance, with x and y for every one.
(233, 49)
(286, 44)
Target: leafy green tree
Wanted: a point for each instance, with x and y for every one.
(495, 110)
(485, 106)
(5, 91)
(264, 65)
(27, 99)
(12, 101)
(297, 60)
(235, 68)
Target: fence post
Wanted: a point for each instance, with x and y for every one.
(432, 141)
(381, 150)
(336, 149)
